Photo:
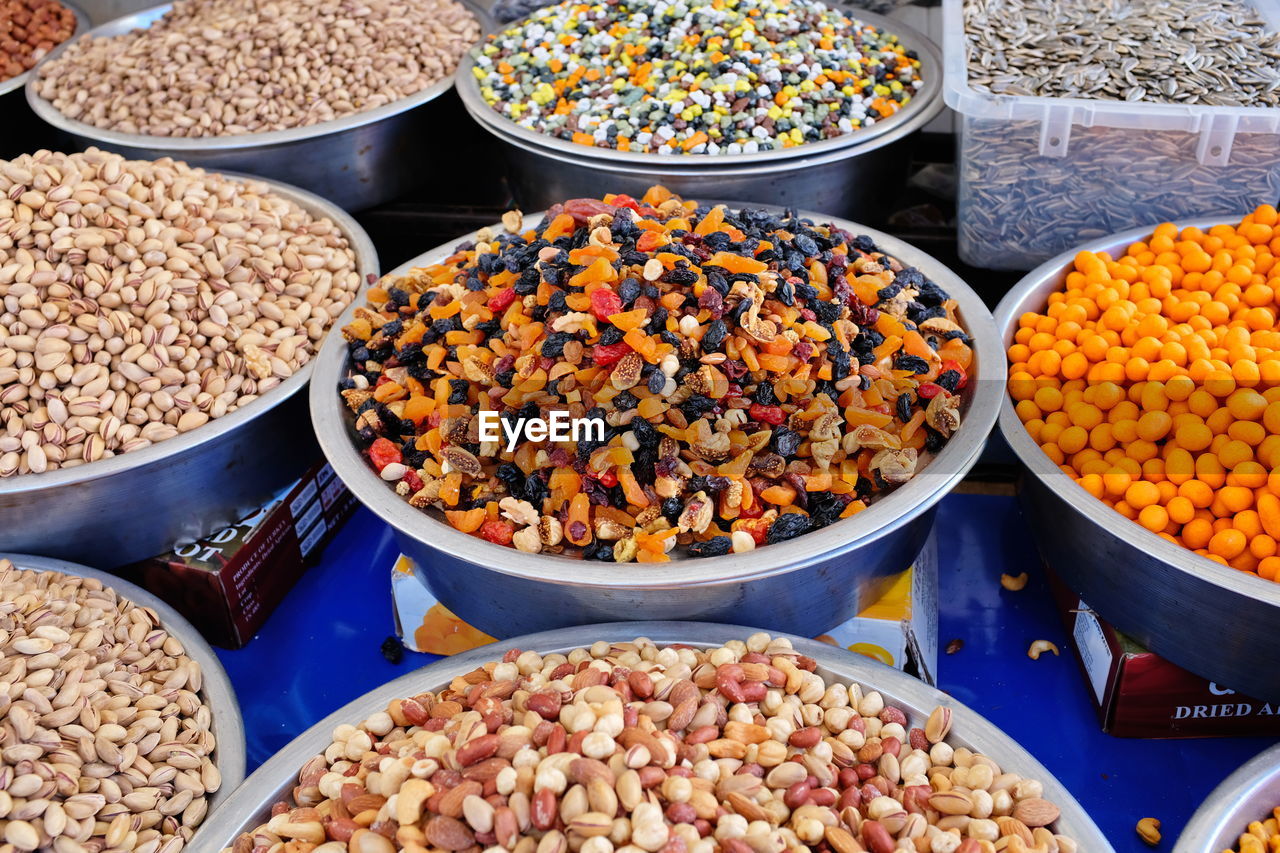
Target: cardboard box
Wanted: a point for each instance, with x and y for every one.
(229, 582)
(1139, 694)
(900, 630)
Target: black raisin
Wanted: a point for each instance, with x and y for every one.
(904, 407)
(716, 546)
(789, 526)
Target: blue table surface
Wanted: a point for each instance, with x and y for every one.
(321, 649)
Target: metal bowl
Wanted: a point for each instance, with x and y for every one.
(814, 581)
(856, 174)
(250, 806)
(136, 505)
(1247, 795)
(357, 162)
(226, 724)
(1161, 594)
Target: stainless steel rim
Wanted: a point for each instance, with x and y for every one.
(276, 777)
(82, 23)
(881, 518)
(671, 167)
(1227, 812)
(202, 144)
(366, 264)
(926, 103)
(1031, 294)
(227, 724)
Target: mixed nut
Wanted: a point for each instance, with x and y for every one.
(107, 741)
(758, 376)
(230, 67)
(29, 29)
(631, 747)
(140, 300)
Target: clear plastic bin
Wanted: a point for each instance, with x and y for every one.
(1038, 175)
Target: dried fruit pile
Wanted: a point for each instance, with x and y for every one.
(633, 747)
(695, 77)
(1153, 380)
(760, 376)
(1262, 836)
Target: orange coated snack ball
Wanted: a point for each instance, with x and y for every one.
(1153, 379)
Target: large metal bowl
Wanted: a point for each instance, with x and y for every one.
(1166, 597)
(251, 805)
(1247, 795)
(226, 723)
(858, 174)
(812, 582)
(136, 505)
(357, 162)
(24, 132)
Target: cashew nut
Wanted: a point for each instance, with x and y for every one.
(1039, 647)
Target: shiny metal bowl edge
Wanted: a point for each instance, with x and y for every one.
(813, 581)
(1246, 795)
(1166, 597)
(274, 780)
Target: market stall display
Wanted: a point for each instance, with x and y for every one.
(1177, 443)
(953, 764)
(802, 581)
(331, 115)
(94, 661)
(158, 323)
(811, 106)
(1078, 121)
(1241, 814)
(16, 54)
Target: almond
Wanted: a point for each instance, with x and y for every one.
(841, 841)
(448, 833)
(583, 770)
(746, 807)
(451, 802)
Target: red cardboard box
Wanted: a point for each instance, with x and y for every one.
(1139, 694)
(229, 582)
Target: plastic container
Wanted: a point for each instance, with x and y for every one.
(1038, 175)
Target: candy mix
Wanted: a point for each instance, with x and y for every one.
(695, 76)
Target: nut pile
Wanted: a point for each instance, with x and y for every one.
(758, 376)
(228, 67)
(632, 747)
(1262, 836)
(1220, 53)
(695, 76)
(107, 742)
(28, 30)
(1153, 380)
(139, 300)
